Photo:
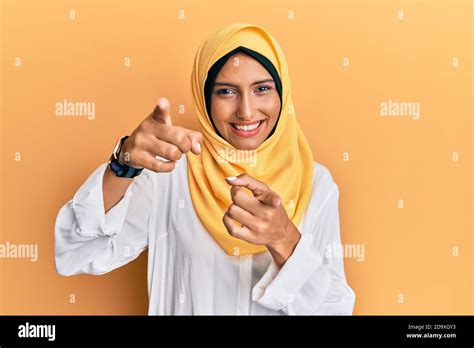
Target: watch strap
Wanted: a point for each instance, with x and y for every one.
(122, 170)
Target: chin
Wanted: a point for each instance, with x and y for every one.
(250, 144)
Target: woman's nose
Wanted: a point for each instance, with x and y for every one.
(244, 109)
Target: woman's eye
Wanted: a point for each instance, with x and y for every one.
(263, 89)
(224, 91)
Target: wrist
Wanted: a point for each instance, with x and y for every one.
(282, 250)
(121, 156)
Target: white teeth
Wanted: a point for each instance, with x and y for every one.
(246, 128)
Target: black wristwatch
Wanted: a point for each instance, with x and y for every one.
(122, 170)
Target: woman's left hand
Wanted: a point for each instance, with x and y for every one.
(263, 218)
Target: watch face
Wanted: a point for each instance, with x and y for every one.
(117, 146)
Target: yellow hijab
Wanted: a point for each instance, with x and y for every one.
(284, 161)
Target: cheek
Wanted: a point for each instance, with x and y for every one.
(271, 107)
(221, 110)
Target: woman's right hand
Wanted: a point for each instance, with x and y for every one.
(156, 136)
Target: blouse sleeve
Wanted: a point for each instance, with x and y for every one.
(309, 282)
(87, 240)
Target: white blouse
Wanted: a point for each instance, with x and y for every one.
(188, 273)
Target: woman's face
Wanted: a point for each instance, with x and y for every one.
(245, 103)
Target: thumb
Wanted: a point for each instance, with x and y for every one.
(162, 112)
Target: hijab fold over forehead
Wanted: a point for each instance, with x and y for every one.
(283, 161)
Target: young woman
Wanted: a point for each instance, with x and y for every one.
(238, 225)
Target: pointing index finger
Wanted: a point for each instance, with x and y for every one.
(161, 113)
(260, 190)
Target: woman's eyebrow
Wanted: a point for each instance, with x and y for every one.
(233, 85)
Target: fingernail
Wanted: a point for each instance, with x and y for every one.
(231, 178)
(198, 146)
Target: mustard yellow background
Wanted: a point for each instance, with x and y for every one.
(403, 56)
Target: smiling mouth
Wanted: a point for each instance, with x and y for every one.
(246, 130)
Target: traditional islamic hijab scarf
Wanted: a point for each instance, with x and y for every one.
(283, 161)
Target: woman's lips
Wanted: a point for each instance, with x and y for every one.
(246, 130)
